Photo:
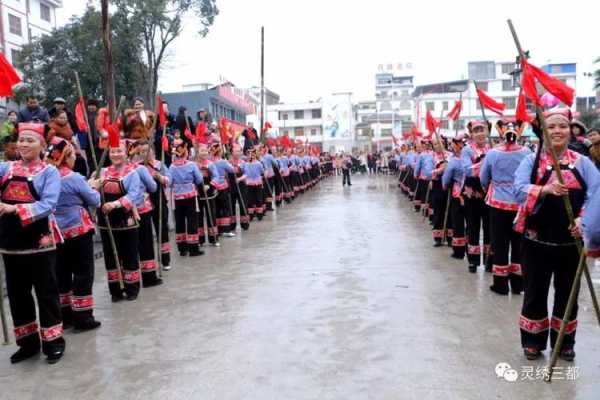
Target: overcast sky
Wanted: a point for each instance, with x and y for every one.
(316, 47)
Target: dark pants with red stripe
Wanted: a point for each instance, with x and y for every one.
(505, 241)
(126, 242)
(146, 244)
(540, 264)
(439, 197)
(37, 271)
(75, 272)
(223, 203)
(186, 225)
(241, 203)
(459, 241)
(207, 210)
(165, 247)
(477, 216)
(255, 205)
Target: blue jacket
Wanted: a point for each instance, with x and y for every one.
(76, 197)
(184, 176)
(591, 225)
(253, 172)
(454, 175)
(498, 175)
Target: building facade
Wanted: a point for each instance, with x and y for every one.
(298, 121)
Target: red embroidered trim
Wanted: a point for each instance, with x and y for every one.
(437, 233)
(79, 230)
(26, 330)
(52, 333)
(180, 237)
(515, 269)
(24, 213)
(112, 276)
(148, 265)
(500, 270)
(186, 195)
(474, 249)
(459, 242)
(556, 322)
(192, 238)
(534, 326)
(82, 303)
(65, 299)
(131, 276)
(165, 248)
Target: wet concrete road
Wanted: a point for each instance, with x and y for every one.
(339, 297)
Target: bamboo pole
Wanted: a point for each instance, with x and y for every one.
(582, 266)
(6, 339)
(449, 199)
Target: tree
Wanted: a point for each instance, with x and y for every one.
(589, 118)
(159, 23)
(48, 62)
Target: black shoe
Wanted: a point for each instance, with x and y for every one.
(87, 324)
(457, 256)
(56, 353)
(115, 298)
(472, 268)
(23, 354)
(131, 297)
(437, 244)
(196, 253)
(532, 353)
(501, 291)
(349, 184)
(183, 253)
(567, 354)
(156, 282)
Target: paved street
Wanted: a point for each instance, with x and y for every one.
(339, 297)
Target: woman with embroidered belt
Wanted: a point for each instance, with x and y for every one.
(220, 183)
(253, 170)
(75, 256)
(30, 189)
(121, 188)
(549, 249)
(453, 180)
(591, 226)
(207, 194)
(237, 162)
(283, 164)
(148, 264)
(476, 211)
(184, 177)
(439, 195)
(497, 175)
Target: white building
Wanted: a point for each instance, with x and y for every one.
(495, 78)
(21, 21)
(299, 121)
(24, 20)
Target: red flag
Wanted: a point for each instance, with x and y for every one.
(8, 77)
(395, 140)
(285, 142)
(113, 135)
(267, 127)
(162, 117)
(455, 112)
(165, 143)
(80, 116)
(188, 134)
(224, 131)
(431, 123)
(521, 112)
(200, 131)
(558, 88)
(489, 103)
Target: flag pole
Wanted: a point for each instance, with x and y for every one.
(582, 266)
(489, 135)
(449, 198)
(262, 82)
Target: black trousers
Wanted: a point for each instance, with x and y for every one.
(186, 224)
(165, 247)
(439, 198)
(126, 242)
(459, 240)
(270, 193)
(255, 205)
(146, 251)
(477, 217)
(241, 204)
(420, 193)
(288, 189)
(346, 177)
(207, 211)
(540, 264)
(505, 242)
(75, 273)
(223, 203)
(278, 187)
(37, 271)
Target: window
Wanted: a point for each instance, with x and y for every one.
(283, 116)
(556, 69)
(508, 68)
(482, 86)
(316, 114)
(14, 56)
(14, 24)
(313, 132)
(405, 93)
(482, 70)
(445, 105)
(299, 132)
(429, 106)
(386, 132)
(298, 114)
(286, 133)
(459, 124)
(511, 102)
(45, 12)
(445, 124)
(507, 85)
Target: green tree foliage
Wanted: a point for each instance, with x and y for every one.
(159, 23)
(597, 74)
(48, 63)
